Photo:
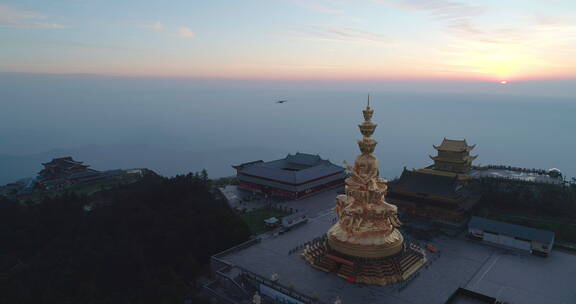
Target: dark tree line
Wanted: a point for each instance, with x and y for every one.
(528, 198)
(545, 206)
(139, 243)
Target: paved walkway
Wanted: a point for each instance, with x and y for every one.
(241, 200)
(314, 206)
(508, 275)
(523, 278)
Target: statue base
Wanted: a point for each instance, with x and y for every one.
(365, 247)
(390, 269)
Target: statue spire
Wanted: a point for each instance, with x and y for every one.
(367, 144)
(368, 106)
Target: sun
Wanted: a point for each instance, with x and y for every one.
(499, 63)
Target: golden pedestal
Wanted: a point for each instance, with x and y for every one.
(367, 248)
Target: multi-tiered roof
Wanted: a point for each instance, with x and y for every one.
(453, 156)
(439, 191)
(60, 168)
(454, 145)
(64, 163)
(65, 170)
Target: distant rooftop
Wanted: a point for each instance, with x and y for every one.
(62, 169)
(296, 162)
(454, 145)
(294, 169)
(431, 184)
(63, 163)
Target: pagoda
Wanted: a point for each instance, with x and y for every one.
(365, 245)
(64, 171)
(441, 191)
(453, 156)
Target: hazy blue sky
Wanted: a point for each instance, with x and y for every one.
(184, 85)
(490, 40)
(180, 125)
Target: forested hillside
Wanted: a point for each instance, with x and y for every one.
(546, 206)
(138, 243)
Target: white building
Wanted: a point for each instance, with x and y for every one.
(536, 241)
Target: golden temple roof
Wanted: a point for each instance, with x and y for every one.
(454, 145)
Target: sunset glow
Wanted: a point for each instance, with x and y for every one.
(293, 39)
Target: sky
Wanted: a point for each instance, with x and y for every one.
(475, 40)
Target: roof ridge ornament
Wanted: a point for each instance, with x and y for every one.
(368, 106)
(367, 144)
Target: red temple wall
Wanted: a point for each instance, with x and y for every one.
(318, 188)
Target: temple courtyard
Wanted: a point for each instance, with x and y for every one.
(508, 275)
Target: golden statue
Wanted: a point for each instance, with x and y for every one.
(367, 223)
(365, 244)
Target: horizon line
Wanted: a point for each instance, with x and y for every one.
(299, 79)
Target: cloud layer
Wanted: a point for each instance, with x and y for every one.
(344, 34)
(156, 26)
(180, 32)
(10, 17)
(184, 32)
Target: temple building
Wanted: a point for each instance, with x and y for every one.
(65, 171)
(433, 196)
(453, 158)
(440, 191)
(293, 177)
(535, 241)
(365, 245)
